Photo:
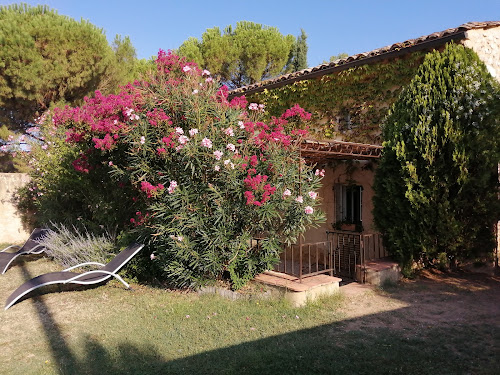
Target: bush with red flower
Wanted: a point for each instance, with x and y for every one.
(200, 177)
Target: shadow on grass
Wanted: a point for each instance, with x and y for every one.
(466, 347)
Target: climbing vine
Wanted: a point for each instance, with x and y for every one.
(350, 104)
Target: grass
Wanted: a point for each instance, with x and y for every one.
(153, 331)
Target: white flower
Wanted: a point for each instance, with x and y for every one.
(206, 143)
(183, 139)
(312, 194)
(193, 132)
(229, 131)
(218, 154)
(195, 91)
(205, 73)
(253, 106)
(217, 168)
(231, 147)
(299, 199)
(143, 140)
(152, 256)
(186, 69)
(179, 130)
(241, 124)
(227, 161)
(287, 193)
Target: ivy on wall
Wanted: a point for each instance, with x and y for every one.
(350, 104)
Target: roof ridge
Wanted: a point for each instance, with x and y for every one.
(395, 47)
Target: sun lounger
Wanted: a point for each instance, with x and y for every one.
(31, 246)
(87, 278)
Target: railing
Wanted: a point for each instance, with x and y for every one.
(351, 250)
(344, 253)
(309, 259)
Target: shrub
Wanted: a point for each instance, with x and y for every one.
(71, 247)
(193, 175)
(437, 186)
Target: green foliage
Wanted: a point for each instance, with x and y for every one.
(69, 247)
(46, 58)
(436, 186)
(172, 163)
(340, 56)
(350, 104)
(58, 193)
(123, 68)
(298, 54)
(246, 54)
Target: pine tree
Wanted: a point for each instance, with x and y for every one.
(436, 186)
(244, 55)
(46, 58)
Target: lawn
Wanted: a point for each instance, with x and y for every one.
(444, 324)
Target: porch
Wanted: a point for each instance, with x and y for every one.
(349, 255)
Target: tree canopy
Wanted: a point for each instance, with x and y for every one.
(246, 54)
(437, 185)
(46, 58)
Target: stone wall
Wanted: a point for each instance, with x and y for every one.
(11, 227)
(486, 43)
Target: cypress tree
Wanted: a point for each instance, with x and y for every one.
(436, 188)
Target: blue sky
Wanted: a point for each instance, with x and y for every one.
(351, 26)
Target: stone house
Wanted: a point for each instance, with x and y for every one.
(349, 99)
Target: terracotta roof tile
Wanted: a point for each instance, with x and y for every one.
(323, 69)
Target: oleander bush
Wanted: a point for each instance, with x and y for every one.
(171, 162)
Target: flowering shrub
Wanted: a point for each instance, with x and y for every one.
(198, 176)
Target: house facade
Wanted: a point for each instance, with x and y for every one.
(349, 99)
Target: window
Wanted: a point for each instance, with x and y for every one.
(348, 203)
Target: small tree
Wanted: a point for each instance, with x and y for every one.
(437, 186)
(196, 177)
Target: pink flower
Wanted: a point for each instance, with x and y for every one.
(179, 130)
(44, 147)
(299, 199)
(209, 79)
(205, 73)
(152, 256)
(183, 139)
(186, 69)
(217, 168)
(206, 143)
(143, 140)
(195, 91)
(241, 124)
(218, 154)
(312, 194)
(320, 173)
(193, 132)
(229, 131)
(261, 107)
(171, 188)
(287, 193)
(253, 107)
(308, 210)
(110, 163)
(231, 147)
